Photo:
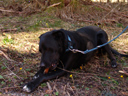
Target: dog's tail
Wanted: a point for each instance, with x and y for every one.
(117, 53)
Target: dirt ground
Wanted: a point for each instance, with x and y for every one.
(20, 58)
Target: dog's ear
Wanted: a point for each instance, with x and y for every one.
(58, 34)
(40, 36)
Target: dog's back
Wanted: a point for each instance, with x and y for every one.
(91, 32)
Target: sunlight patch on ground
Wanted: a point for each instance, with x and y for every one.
(22, 41)
(121, 44)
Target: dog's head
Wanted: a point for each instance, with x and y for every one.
(51, 46)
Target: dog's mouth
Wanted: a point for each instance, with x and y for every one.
(52, 67)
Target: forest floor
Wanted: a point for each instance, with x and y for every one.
(20, 58)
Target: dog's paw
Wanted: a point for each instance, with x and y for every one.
(30, 86)
(35, 77)
(26, 88)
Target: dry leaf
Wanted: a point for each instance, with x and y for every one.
(48, 91)
(125, 93)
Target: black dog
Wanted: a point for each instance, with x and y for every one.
(54, 47)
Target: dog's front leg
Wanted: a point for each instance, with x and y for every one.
(41, 71)
(41, 77)
(32, 85)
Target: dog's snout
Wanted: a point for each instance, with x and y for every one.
(42, 65)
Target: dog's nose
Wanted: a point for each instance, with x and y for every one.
(42, 65)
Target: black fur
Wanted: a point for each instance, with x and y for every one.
(53, 47)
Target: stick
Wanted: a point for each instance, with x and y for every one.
(76, 72)
(49, 87)
(39, 4)
(13, 72)
(86, 21)
(8, 30)
(10, 87)
(2, 53)
(106, 9)
(7, 10)
(53, 5)
(124, 72)
(46, 28)
(68, 93)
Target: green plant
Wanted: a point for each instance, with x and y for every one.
(57, 93)
(115, 82)
(9, 80)
(3, 67)
(2, 82)
(43, 84)
(28, 69)
(119, 25)
(46, 95)
(86, 88)
(8, 40)
(1, 77)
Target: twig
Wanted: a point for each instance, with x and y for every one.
(70, 88)
(49, 87)
(39, 4)
(55, 88)
(125, 93)
(117, 13)
(32, 49)
(106, 9)
(8, 30)
(124, 72)
(53, 5)
(68, 93)
(2, 53)
(46, 29)
(110, 11)
(75, 72)
(10, 87)
(46, 5)
(85, 21)
(12, 72)
(6, 10)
